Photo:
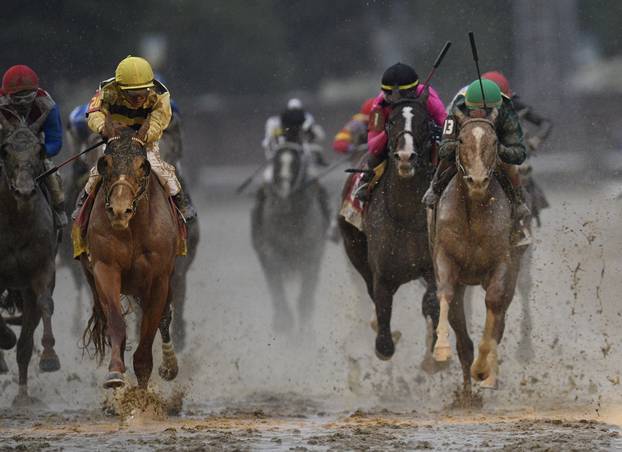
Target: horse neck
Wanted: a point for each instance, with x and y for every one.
(25, 213)
(403, 195)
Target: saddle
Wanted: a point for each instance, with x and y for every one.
(352, 210)
(81, 223)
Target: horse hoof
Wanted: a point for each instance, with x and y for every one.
(385, 348)
(168, 373)
(7, 339)
(25, 401)
(49, 362)
(489, 383)
(430, 366)
(114, 380)
(442, 354)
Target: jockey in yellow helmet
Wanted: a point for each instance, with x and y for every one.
(135, 99)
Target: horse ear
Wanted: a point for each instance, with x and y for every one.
(103, 164)
(458, 115)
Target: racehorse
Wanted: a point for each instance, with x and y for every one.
(170, 151)
(392, 248)
(28, 245)
(288, 229)
(470, 235)
(132, 238)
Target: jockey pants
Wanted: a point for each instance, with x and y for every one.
(164, 171)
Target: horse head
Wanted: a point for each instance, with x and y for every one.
(409, 135)
(21, 157)
(125, 171)
(476, 158)
(288, 169)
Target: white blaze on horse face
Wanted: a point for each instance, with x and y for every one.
(477, 166)
(285, 172)
(408, 115)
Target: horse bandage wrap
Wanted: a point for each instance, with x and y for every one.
(164, 171)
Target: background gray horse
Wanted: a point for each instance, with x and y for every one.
(288, 232)
(28, 244)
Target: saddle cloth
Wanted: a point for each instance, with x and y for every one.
(81, 223)
(352, 210)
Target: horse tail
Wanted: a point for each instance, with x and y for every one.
(95, 332)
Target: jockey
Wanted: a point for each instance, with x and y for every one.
(21, 98)
(523, 111)
(136, 100)
(511, 149)
(312, 132)
(399, 81)
(354, 134)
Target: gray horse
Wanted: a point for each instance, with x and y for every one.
(28, 245)
(288, 232)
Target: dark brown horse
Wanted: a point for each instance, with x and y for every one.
(470, 235)
(132, 239)
(393, 247)
(28, 244)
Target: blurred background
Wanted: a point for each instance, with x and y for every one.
(231, 63)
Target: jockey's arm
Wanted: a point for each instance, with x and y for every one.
(449, 140)
(53, 131)
(543, 124)
(511, 145)
(159, 118)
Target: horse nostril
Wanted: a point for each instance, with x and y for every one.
(485, 180)
(396, 156)
(128, 210)
(411, 157)
(469, 178)
(109, 209)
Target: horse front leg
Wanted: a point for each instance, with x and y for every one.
(308, 286)
(43, 290)
(464, 344)
(446, 278)
(153, 310)
(383, 301)
(499, 292)
(169, 369)
(30, 319)
(108, 285)
(431, 311)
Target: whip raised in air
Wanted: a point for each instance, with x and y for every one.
(479, 76)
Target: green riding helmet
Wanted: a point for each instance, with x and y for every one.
(492, 93)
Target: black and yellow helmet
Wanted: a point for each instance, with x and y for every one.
(399, 77)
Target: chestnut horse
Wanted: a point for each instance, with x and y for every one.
(132, 239)
(393, 247)
(470, 236)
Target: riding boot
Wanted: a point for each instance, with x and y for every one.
(185, 206)
(445, 171)
(54, 185)
(361, 192)
(82, 197)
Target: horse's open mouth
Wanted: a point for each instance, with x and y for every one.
(405, 170)
(119, 224)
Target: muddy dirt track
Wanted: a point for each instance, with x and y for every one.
(321, 387)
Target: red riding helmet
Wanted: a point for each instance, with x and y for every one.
(19, 78)
(366, 107)
(500, 80)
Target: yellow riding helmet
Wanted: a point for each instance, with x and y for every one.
(134, 73)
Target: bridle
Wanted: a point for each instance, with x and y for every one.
(461, 168)
(137, 194)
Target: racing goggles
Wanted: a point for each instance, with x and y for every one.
(393, 93)
(23, 97)
(136, 95)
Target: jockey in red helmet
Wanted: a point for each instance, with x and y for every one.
(22, 99)
(353, 135)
